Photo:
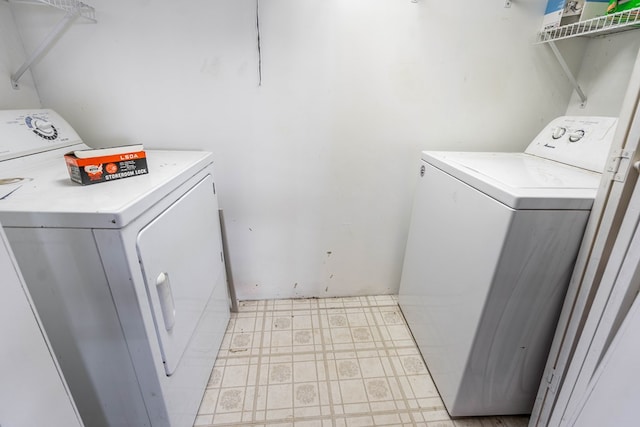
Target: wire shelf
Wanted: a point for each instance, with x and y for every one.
(74, 9)
(608, 24)
(69, 6)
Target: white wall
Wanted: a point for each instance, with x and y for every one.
(12, 56)
(604, 74)
(316, 167)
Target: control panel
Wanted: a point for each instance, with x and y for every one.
(41, 127)
(583, 142)
(26, 132)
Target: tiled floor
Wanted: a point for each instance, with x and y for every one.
(325, 362)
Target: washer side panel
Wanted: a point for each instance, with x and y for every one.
(31, 378)
(454, 244)
(515, 332)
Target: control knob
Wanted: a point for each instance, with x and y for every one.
(576, 135)
(42, 128)
(558, 132)
(46, 128)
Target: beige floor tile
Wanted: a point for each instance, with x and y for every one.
(325, 362)
(306, 395)
(244, 324)
(203, 420)
(230, 400)
(235, 376)
(306, 371)
(209, 401)
(371, 367)
(436, 415)
(301, 321)
(362, 334)
(215, 378)
(223, 419)
(383, 406)
(302, 412)
(378, 389)
(387, 420)
(364, 421)
(341, 336)
(280, 373)
(423, 386)
(310, 423)
(357, 318)
(348, 369)
(353, 391)
(280, 414)
(357, 408)
(279, 396)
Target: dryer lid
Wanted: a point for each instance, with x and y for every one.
(46, 197)
(519, 180)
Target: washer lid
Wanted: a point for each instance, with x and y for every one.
(519, 180)
(46, 196)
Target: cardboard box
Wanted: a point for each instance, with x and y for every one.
(93, 166)
(553, 14)
(565, 12)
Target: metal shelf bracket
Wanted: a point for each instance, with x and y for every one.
(73, 9)
(598, 26)
(568, 73)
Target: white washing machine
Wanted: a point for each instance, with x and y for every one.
(492, 243)
(127, 276)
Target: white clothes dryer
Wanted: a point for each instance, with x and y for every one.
(492, 243)
(127, 276)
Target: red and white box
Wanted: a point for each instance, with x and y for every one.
(106, 164)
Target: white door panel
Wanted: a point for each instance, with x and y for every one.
(176, 250)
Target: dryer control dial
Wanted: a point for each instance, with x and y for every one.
(42, 128)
